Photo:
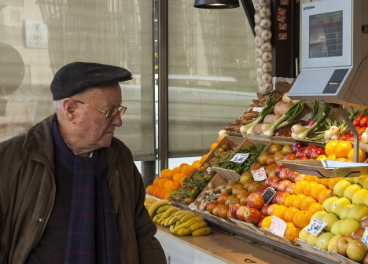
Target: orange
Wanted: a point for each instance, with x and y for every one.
(290, 224)
(314, 192)
(315, 207)
(333, 181)
(302, 218)
(332, 157)
(325, 194)
(162, 193)
(331, 147)
(177, 176)
(342, 149)
(298, 200)
(299, 186)
(174, 186)
(219, 140)
(161, 182)
(279, 211)
(213, 146)
(292, 232)
(289, 214)
(149, 189)
(156, 191)
(167, 195)
(182, 179)
(156, 181)
(196, 164)
(289, 200)
(176, 170)
(304, 205)
(310, 177)
(362, 155)
(168, 184)
(166, 174)
(342, 159)
(321, 157)
(266, 222)
(182, 165)
(325, 182)
(187, 170)
(309, 186)
(204, 157)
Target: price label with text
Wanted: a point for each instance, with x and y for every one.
(240, 157)
(315, 227)
(260, 174)
(365, 236)
(278, 226)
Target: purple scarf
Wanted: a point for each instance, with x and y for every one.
(93, 234)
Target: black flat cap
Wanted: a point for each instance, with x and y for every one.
(76, 77)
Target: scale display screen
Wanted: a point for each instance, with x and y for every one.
(325, 35)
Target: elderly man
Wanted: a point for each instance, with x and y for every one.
(69, 190)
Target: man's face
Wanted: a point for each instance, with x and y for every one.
(92, 129)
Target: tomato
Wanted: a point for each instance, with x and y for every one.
(361, 130)
(363, 121)
(350, 139)
(357, 119)
(344, 137)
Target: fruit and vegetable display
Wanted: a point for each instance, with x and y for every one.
(180, 222)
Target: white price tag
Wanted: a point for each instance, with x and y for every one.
(260, 174)
(278, 226)
(209, 170)
(315, 227)
(365, 236)
(240, 157)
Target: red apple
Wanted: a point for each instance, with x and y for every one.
(233, 201)
(233, 209)
(284, 174)
(262, 159)
(275, 183)
(364, 222)
(270, 160)
(255, 167)
(252, 215)
(229, 186)
(301, 152)
(280, 197)
(283, 184)
(291, 175)
(275, 148)
(290, 156)
(270, 170)
(242, 192)
(270, 209)
(240, 212)
(278, 156)
(254, 186)
(299, 177)
(278, 169)
(286, 149)
(243, 199)
(247, 184)
(317, 152)
(342, 244)
(237, 188)
(264, 209)
(222, 198)
(297, 145)
(261, 189)
(255, 200)
(223, 211)
(259, 225)
(309, 150)
(358, 234)
(290, 188)
(269, 180)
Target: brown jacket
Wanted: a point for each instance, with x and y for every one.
(27, 191)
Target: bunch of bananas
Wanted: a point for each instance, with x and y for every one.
(149, 201)
(181, 222)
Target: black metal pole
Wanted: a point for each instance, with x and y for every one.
(250, 12)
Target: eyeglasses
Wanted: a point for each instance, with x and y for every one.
(110, 114)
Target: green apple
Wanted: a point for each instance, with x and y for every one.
(323, 240)
(335, 228)
(332, 244)
(365, 200)
(329, 219)
(318, 215)
(312, 239)
(360, 179)
(339, 204)
(340, 187)
(303, 234)
(326, 205)
(358, 211)
(351, 190)
(356, 250)
(359, 196)
(342, 244)
(345, 211)
(348, 226)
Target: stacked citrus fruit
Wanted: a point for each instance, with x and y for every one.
(342, 151)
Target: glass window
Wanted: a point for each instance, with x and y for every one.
(212, 74)
(40, 36)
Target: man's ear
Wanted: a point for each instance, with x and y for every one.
(69, 109)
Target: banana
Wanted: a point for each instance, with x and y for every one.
(180, 212)
(192, 220)
(185, 214)
(172, 228)
(177, 228)
(166, 222)
(202, 231)
(163, 208)
(197, 225)
(187, 217)
(157, 217)
(173, 220)
(171, 211)
(183, 232)
(150, 200)
(156, 205)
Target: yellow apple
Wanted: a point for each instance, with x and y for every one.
(365, 200)
(329, 219)
(356, 250)
(323, 240)
(340, 187)
(303, 234)
(342, 244)
(332, 244)
(348, 226)
(312, 239)
(359, 196)
(365, 185)
(360, 179)
(326, 205)
(335, 228)
(351, 190)
(318, 215)
(339, 204)
(358, 211)
(345, 211)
